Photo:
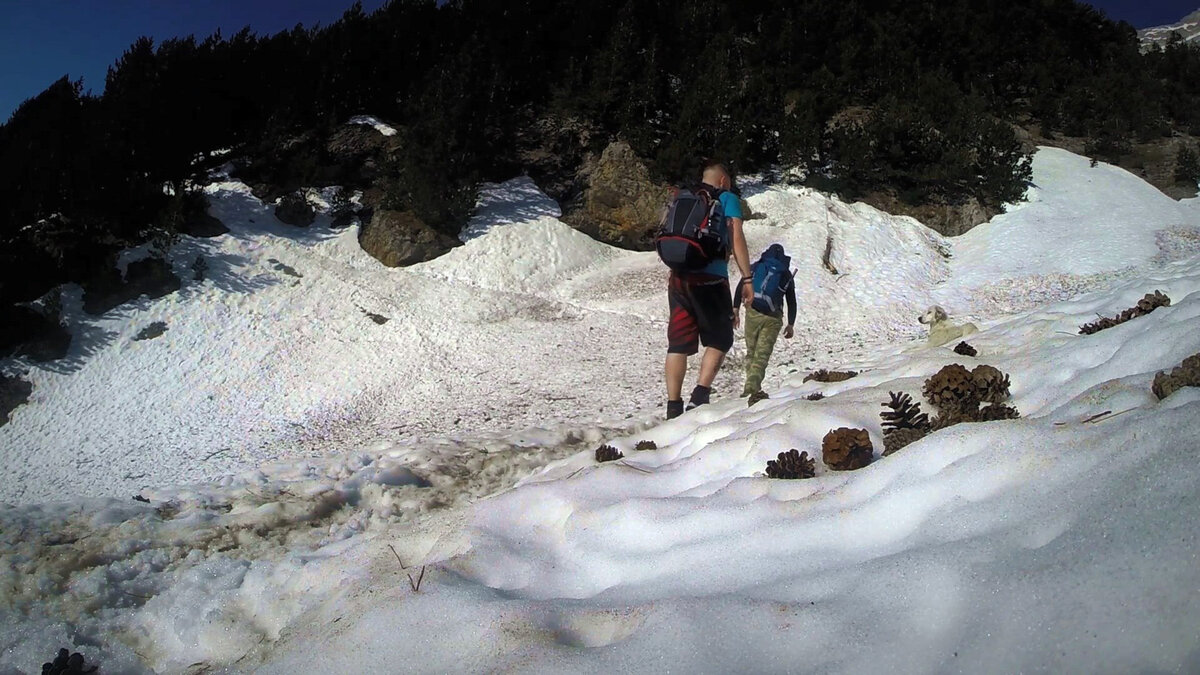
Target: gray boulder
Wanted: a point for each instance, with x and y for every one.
(400, 238)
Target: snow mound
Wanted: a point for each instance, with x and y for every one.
(518, 200)
(521, 257)
(1079, 220)
(886, 266)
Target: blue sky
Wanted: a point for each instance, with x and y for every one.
(42, 40)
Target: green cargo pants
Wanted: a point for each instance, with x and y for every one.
(761, 332)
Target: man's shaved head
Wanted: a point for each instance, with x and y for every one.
(716, 175)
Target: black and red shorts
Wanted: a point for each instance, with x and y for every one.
(701, 312)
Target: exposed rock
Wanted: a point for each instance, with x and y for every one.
(792, 465)
(379, 319)
(621, 205)
(14, 391)
(948, 219)
(26, 332)
(360, 150)
(284, 268)
(399, 238)
(151, 277)
(152, 331)
(847, 449)
(294, 209)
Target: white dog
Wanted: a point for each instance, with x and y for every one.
(941, 330)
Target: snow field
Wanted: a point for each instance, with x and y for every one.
(1043, 544)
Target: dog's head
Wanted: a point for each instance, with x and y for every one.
(933, 315)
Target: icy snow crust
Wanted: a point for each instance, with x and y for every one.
(464, 440)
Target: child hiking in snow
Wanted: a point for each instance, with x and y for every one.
(702, 228)
(772, 282)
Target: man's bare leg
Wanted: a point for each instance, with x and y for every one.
(709, 366)
(676, 368)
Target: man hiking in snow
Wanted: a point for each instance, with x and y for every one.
(701, 229)
(772, 283)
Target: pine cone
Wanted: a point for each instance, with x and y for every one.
(904, 414)
(1149, 303)
(823, 375)
(992, 385)
(965, 349)
(1153, 301)
(950, 418)
(997, 411)
(757, 396)
(792, 464)
(952, 388)
(815, 396)
(645, 445)
(898, 438)
(847, 449)
(607, 453)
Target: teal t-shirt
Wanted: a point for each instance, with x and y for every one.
(733, 209)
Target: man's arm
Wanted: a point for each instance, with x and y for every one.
(737, 306)
(741, 256)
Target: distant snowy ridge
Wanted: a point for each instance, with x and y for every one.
(1187, 28)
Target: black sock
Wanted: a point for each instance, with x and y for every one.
(700, 395)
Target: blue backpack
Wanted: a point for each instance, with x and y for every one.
(771, 280)
(693, 233)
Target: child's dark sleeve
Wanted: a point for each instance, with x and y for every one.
(737, 292)
(791, 301)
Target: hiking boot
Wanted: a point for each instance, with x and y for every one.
(699, 397)
(674, 409)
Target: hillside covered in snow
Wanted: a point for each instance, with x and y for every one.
(1187, 29)
(312, 430)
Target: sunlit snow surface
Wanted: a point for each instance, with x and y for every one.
(1047, 544)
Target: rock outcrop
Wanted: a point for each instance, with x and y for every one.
(400, 238)
(620, 205)
(294, 209)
